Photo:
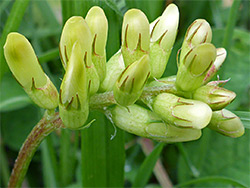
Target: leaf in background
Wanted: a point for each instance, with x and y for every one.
(147, 167)
(236, 66)
(12, 24)
(102, 158)
(244, 117)
(12, 95)
(16, 125)
(215, 154)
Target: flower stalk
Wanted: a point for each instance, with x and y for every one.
(46, 125)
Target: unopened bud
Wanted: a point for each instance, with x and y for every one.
(182, 112)
(135, 36)
(25, 67)
(199, 32)
(226, 123)
(163, 35)
(76, 30)
(98, 25)
(221, 54)
(131, 82)
(142, 122)
(216, 97)
(195, 66)
(73, 103)
(115, 66)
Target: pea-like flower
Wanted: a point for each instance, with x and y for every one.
(182, 112)
(73, 101)
(25, 67)
(131, 82)
(195, 66)
(216, 97)
(76, 30)
(226, 123)
(163, 34)
(98, 25)
(135, 36)
(142, 122)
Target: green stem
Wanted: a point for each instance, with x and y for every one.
(220, 179)
(39, 132)
(102, 100)
(231, 24)
(12, 24)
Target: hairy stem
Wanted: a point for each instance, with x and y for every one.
(39, 132)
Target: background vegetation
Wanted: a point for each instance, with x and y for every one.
(212, 161)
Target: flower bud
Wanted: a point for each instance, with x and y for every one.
(199, 32)
(135, 36)
(98, 25)
(163, 36)
(182, 112)
(195, 66)
(221, 54)
(76, 29)
(142, 122)
(25, 67)
(226, 123)
(130, 83)
(115, 66)
(216, 97)
(73, 103)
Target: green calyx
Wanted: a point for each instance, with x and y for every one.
(140, 121)
(135, 36)
(130, 83)
(73, 103)
(182, 112)
(226, 123)
(25, 67)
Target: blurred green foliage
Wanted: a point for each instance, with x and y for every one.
(212, 155)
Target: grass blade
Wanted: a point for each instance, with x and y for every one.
(221, 179)
(147, 167)
(12, 24)
(245, 118)
(102, 159)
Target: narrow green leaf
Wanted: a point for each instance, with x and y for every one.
(114, 7)
(48, 169)
(220, 179)
(228, 35)
(12, 24)
(147, 167)
(49, 55)
(102, 158)
(245, 118)
(192, 168)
